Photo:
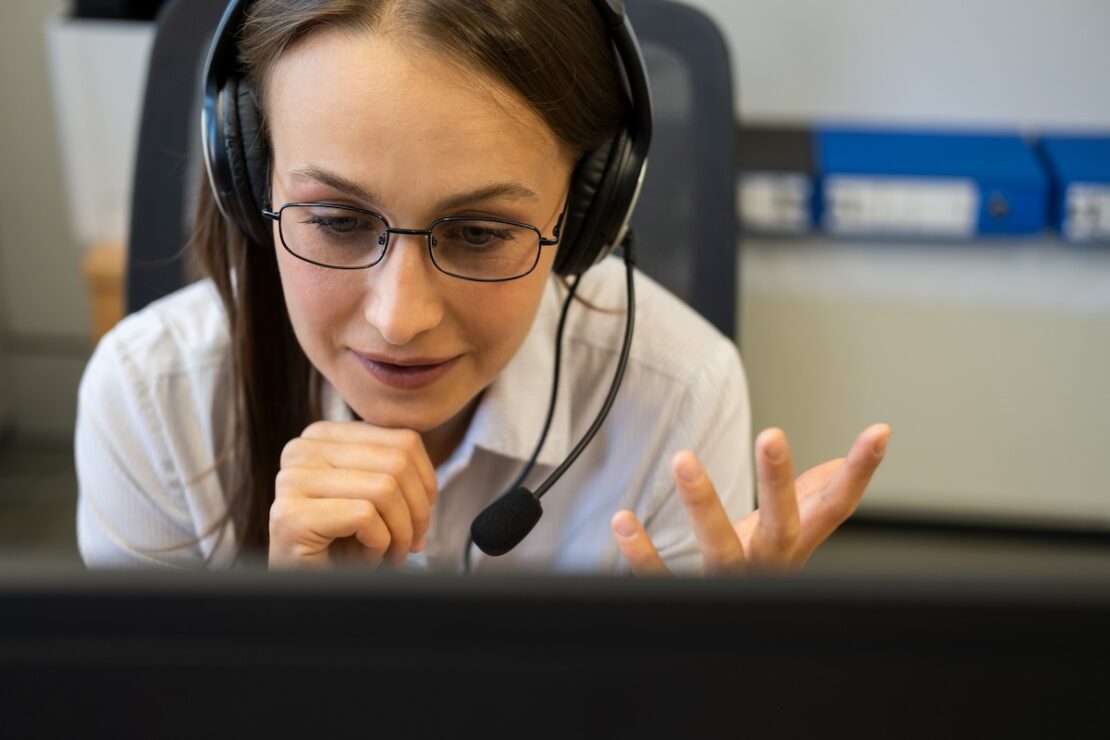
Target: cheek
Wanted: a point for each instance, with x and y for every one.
(500, 315)
(316, 300)
(498, 320)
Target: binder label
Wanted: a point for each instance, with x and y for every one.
(1087, 211)
(888, 205)
(776, 202)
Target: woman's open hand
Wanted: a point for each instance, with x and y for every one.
(351, 491)
(793, 518)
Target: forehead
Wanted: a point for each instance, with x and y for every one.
(368, 105)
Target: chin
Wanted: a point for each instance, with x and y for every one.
(421, 413)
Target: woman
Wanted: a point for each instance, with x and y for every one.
(366, 366)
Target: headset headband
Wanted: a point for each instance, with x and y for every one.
(604, 190)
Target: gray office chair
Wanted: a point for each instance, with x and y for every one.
(168, 163)
(685, 223)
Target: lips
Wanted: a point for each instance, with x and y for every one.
(406, 373)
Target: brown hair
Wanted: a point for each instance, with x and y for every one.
(554, 54)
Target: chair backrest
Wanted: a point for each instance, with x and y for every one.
(167, 164)
(685, 222)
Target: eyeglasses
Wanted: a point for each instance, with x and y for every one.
(348, 238)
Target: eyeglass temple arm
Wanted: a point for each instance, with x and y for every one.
(557, 231)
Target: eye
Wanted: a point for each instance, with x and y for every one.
(477, 234)
(345, 224)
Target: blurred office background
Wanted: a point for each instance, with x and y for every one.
(990, 359)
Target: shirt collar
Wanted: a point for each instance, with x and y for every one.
(511, 411)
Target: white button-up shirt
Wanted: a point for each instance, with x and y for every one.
(154, 425)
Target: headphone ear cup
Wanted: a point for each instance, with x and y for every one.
(592, 213)
(583, 188)
(247, 159)
(256, 153)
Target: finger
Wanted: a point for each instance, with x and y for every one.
(379, 488)
(776, 533)
(348, 551)
(302, 531)
(807, 484)
(636, 546)
(347, 455)
(405, 440)
(828, 508)
(816, 478)
(719, 544)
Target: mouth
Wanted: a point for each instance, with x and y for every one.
(406, 373)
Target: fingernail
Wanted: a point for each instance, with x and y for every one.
(774, 451)
(880, 445)
(624, 526)
(420, 543)
(688, 468)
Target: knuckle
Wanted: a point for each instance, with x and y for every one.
(395, 463)
(301, 551)
(366, 511)
(776, 475)
(390, 493)
(281, 513)
(291, 452)
(285, 483)
(317, 429)
(781, 538)
(699, 496)
(410, 441)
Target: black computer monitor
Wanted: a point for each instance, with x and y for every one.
(157, 654)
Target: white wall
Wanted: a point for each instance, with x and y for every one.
(1030, 63)
(46, 327)
(989, 360)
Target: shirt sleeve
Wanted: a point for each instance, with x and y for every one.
(714, 421)
(130, 507)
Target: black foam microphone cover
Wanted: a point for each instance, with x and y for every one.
(505, 522)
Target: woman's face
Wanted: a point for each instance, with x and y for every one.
(377, 122)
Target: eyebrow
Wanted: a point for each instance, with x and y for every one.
(501, 190)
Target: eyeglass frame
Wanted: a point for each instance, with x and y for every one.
(389, 230)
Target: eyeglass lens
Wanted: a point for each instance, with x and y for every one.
(469, 248)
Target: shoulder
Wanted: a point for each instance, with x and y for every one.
(151, 415)
(182, 331)
(173, 355)
(684, 386)
(670, 338)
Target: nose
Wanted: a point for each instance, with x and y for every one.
(404, 299)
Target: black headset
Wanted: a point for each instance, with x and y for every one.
(604, 188)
